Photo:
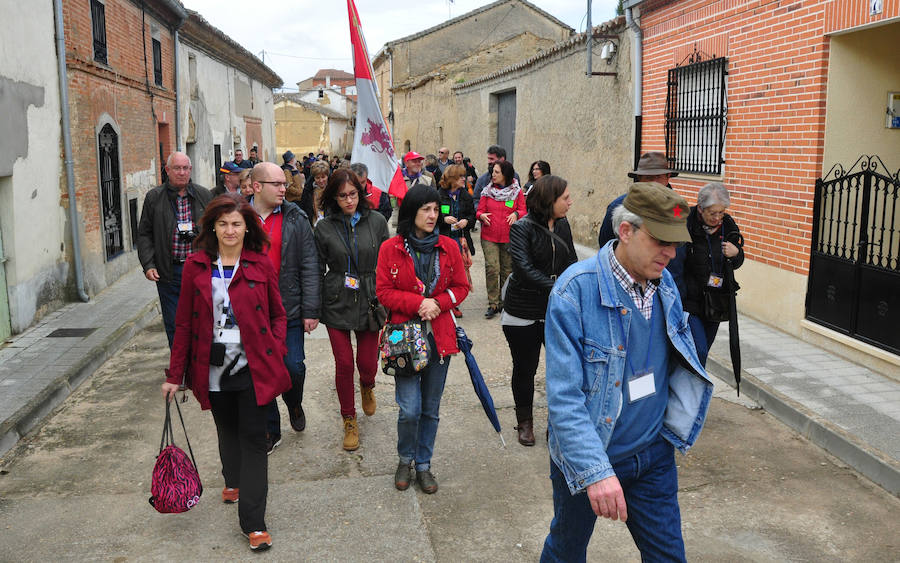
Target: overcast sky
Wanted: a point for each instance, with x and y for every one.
(301, 36)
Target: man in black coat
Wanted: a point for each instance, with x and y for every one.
(169, 223)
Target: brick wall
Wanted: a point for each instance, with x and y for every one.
(777, 65)
(117, 90)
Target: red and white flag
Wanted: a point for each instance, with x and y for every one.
(372, 143)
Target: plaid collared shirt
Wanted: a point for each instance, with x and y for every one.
(180, 247)
(643, 298)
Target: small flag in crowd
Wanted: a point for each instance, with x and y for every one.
(372, 143)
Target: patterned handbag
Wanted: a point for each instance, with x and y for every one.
(404, 348)
(175, 485)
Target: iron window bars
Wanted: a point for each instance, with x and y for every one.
(695, 115)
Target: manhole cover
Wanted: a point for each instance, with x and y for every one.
(71, 332)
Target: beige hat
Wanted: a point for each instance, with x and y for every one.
(664, 212)
(652, 164)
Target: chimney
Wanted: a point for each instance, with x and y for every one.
(328, 81)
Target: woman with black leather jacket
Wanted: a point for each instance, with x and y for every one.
(715, 241)
(541, 248)
(457, 214)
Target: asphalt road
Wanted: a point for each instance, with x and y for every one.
(751, 490)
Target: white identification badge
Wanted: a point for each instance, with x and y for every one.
(641, 386)
(715, 280)
(351, 282)
(185, 227)
(228, 335)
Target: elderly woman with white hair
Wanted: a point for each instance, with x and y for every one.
(716, 242)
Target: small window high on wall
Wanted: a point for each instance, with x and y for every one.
(98, 26)
(695, 116)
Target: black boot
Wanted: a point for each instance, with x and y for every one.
(526, 426)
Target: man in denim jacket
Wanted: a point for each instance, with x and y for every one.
(640, 393)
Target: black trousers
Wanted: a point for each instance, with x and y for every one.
(241, 426)
(525, 346)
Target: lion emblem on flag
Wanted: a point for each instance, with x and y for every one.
(377, 138)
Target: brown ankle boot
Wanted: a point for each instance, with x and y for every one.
(351, 433)
(526, 432)
(368, 400)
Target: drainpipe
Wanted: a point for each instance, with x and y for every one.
(74, 222)
(590, 42)
(180, 15)
(637, 69)
(390, 52)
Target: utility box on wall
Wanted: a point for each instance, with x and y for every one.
(893, 111)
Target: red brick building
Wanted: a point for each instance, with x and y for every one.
(121, 80)
(767, 96)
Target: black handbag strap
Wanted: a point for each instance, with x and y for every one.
(553, 235)
(168, 436)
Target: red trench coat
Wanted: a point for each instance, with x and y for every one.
(396, 283)
(261, 320)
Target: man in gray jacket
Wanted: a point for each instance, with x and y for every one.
(295, 259)
(169, 223)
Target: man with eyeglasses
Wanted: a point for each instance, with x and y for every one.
(293, 254)
(641, 391)
(231, 182)
(169, 222)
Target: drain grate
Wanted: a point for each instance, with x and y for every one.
(71, 332)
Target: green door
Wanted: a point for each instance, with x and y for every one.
(4, 297)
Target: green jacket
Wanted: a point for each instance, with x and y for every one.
(344, 308)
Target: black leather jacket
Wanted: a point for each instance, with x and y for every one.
(299, 277)
(537, 259)
(466, 211)
(157, 225)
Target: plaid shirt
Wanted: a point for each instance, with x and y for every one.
(180, 247)
(643, 298)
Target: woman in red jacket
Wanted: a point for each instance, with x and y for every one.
(501, 205)
(420, 275)
(229, 349)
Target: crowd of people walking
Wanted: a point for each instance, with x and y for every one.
(246, 270)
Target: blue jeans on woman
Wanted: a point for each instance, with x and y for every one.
(649, 480)
(419, 399)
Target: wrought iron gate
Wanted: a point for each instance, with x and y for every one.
(854, 269)
(110, 192)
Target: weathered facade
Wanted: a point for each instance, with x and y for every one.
(802, 88)
(303, 126)
(226, 99)
(414, 74)
(581, 125)
(33, 242)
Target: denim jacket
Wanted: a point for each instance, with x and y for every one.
(582, 329)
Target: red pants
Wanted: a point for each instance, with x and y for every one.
(366, 361)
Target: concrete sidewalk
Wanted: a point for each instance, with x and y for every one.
(848, 410)
(40, 367)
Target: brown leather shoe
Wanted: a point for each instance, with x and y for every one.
(526, 432)
(368, 400)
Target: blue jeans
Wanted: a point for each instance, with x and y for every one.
(168, 300)
(294, 361)
(419, 399)
(649, 480)
(704, 334)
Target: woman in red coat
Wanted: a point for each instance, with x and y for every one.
(501, 205)
(229, 347)
(420, 275)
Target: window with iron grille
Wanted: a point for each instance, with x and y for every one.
(695, 115)
(157, 62)
(98, 25)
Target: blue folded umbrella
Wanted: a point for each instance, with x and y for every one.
(487, 402)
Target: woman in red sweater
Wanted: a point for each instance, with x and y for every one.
(501, 205)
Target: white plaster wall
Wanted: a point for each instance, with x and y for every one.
(32, 221)
(333, 101)
(216, 115)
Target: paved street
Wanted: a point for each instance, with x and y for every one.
(752, 489)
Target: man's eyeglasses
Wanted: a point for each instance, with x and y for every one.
(348, 196)
(281, 183)
(662, 242)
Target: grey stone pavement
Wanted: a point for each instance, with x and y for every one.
(843, 407)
